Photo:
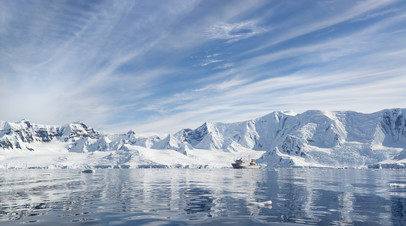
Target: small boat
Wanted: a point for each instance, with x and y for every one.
(241, 164)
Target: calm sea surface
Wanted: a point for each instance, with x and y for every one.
(203, 197)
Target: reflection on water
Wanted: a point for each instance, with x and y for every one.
(203, 196)
(198, 200)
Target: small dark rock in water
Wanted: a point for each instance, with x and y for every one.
(87, 171)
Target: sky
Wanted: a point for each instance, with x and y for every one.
(160, 66)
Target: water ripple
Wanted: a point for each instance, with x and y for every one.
(205, 196)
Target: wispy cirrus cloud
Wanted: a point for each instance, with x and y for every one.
(354, 71)
(161, 67)
(209, 61)
(233, 32)
(74, 56)
(300, 25)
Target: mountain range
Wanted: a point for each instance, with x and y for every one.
(280, 139)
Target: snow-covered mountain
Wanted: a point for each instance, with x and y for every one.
(279, 139)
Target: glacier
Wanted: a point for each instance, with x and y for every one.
(314, 138)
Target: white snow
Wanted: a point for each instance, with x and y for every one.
(279, 139)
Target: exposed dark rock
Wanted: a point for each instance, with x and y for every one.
(394, 123)
(6, 144)
(197, 135)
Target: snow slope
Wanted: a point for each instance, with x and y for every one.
(279, 139)
(27, 145)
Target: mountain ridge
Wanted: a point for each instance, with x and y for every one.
(313, 138)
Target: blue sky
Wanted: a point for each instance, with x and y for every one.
(159, 66)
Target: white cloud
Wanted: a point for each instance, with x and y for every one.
(376, 14)
(354, 72)
(225, 66)
(223, 85)
(85, 65)
(235, 31)
(350, 90)
(209, 61)
(299, 25)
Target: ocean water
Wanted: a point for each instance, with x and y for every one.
(203, 197)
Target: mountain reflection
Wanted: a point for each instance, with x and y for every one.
(398, 209)
(198, 200)
(160, 196)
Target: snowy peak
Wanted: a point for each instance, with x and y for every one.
(219, 136)
(5, 128)
(20, 134)
(266, 132)
(202, 137)
(321, 129)
(77, 130)
(194, 137)
(340, 139)
(318, 138)
(16, 135)
(312, 138)
(394, 124)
